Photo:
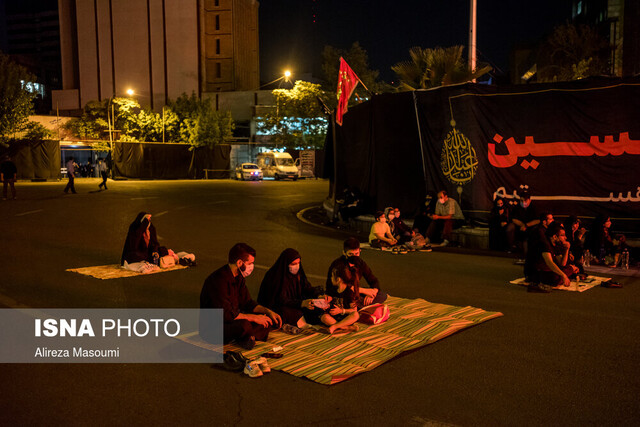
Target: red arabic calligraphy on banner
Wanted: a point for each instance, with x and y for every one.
(549, 149)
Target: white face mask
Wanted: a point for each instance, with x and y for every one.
(441, 201)
(294, 268)
(248, 269)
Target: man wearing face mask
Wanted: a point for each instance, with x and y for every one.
(351, 258)
(245, 321)
(523, 219)
(447, 212)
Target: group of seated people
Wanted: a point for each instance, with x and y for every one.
(389, 232)
(556, 252)
(286, 298)
(511, 228)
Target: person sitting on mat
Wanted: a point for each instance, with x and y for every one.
(551, 264)
(141, 244)
(343, 311)
(351, 259)
(286, 290)
(380, 236)
(244, 320)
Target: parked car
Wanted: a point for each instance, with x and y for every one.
(248, 171)
(277, 165)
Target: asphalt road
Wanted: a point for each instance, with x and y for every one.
(563, 358)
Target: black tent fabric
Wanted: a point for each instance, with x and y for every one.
(574, 146)
(168, 161)
(35, 159)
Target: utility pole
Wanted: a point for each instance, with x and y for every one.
(473, 14)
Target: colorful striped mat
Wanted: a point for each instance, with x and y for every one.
(329, 359)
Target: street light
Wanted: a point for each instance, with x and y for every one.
(286, 77)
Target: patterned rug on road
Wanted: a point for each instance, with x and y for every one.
(603, 269)
(591, 281)
(329, 359)
(115, 271)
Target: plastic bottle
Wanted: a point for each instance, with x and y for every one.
(587, 258)
(624, 259)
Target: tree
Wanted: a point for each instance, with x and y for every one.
(200, 124)
(296, 121)
(573, 52)
(358, 60)
(435, 67)
(16, 102)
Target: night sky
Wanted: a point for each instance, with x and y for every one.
(291, 36)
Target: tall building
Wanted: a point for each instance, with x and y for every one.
(29, 34)
(158, 48)
(619, 22)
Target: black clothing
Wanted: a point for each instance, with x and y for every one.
(104, 175)
(222, 290)
(284, 292)
(402, 230)
(422, 220)
(136, 248)
(498, 232)
(359, 269)
(537, 243)
(8, 169)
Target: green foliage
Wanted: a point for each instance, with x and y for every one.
(16, 103)
(358, 60)
(34, 131)
(296, 120)
(573, 52)
(200, 124)
(435, 67)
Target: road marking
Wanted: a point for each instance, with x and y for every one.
(143, 198)
(28, 213)
(161, 213)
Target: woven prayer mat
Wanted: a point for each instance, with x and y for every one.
(115, 271)
(580, 286)
(329, 359)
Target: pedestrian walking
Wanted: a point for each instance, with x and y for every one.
(71, 171)
(104, 173)
(8, 176)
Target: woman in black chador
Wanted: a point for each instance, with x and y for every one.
(141, 243)
(286, 290)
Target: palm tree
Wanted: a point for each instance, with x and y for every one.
(435, 67)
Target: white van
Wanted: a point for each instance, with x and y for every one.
(277, 165)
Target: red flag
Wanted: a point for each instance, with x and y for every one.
(347, 82)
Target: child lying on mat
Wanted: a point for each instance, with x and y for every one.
(143, 253)
(342, 313)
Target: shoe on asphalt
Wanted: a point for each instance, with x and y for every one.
(384, 248)
(445, 242)
(519, 261)
(253, 370)
(290, 329)
(539, 288)
(263, 364)
(248, 343)
(426, 248)
(234, 361)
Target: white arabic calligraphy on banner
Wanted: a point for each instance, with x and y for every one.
(502, 193)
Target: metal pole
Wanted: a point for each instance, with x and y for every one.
(473, 14)
(335, 166)
(163, 124)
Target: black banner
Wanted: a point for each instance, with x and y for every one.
(575, 146)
